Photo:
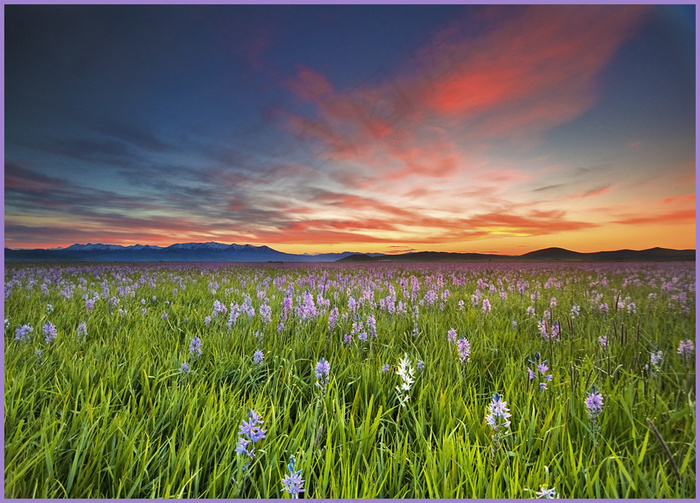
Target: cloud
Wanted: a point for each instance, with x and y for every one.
(669, 218)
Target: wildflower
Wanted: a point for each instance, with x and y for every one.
(405, 372)
(530, 373)
(196, 347)
(39, 354)
(515, 323)
(322, 371)
(603, 341)
(49, 308)
(23, 332)
(594, 403)
(545, 493)
(464, 349)
(82, 330)
(333, 318)
(207, 320)
(686, 347)
(49, 332)
(530, 311)
(451, 335)
(347, 339)
(250, 431)
(385, 368)
(292, 482)
(486, 306)
(258, 357)
(184, 368)
(656, 358)
(498, 413)
(575, 311)
(420, 365)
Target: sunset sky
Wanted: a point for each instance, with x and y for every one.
(500, 129)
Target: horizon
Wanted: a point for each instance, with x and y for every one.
(351, 251)
(410, 128)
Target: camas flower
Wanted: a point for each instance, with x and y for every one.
(196, 347)
(594, 403)
(464, 349)
(249, 433)
(292, 482)
(498, 413)
(322, 371)
(258, 357)
(686, 347)
(545, 493)
(23, 332)
(49, 332)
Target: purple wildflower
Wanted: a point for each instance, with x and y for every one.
(82, 330)
(686, 347)
(452, 335)
(49, 332)
(385, 368)
(196, 347)
(594, 403)
(292, 482)
(464, 349)
(322, 371)
(23, 332)
(258, 357)
(184, 368)
(250, 431)
(498, 413)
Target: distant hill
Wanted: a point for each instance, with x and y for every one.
(546, 255)
(218, 252)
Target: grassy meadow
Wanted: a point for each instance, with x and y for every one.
(382, 381)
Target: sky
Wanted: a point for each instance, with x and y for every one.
(319, 128)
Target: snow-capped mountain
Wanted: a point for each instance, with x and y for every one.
(178, 252)
(94, 247)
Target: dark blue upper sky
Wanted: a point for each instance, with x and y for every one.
(332, 127)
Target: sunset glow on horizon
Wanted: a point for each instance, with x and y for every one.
(315, 129)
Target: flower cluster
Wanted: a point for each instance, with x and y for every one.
(22, 332)
(250, 432)
(656, 361)
(258, 357)
(405, 372)
(547, 493)
(292, 482)
(196, 347)
(322, 371)
(542, 369)
(49, 332)
(686, 347)
(464, 350)
(594, 403)
(498, 413)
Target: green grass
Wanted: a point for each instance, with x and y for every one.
(110, 416)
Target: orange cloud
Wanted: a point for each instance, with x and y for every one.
(676, 217)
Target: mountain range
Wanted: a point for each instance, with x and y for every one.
(218, 252)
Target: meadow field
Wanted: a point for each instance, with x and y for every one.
(571, 380)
